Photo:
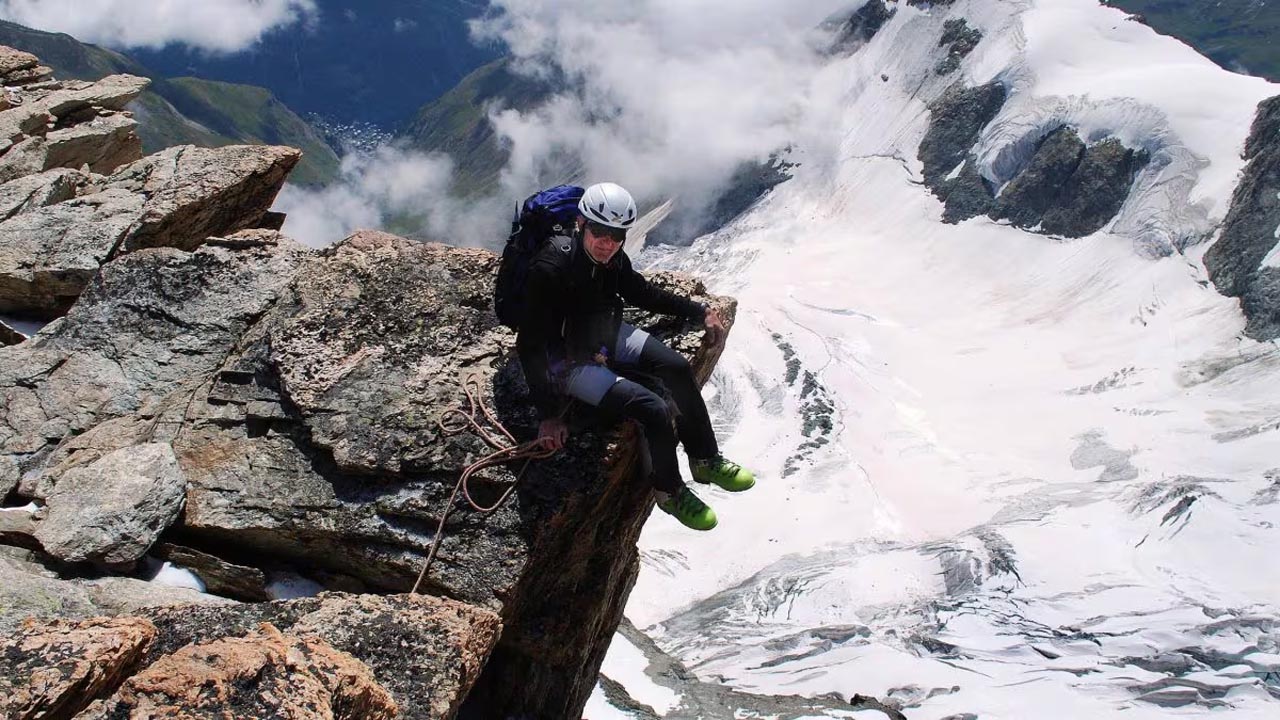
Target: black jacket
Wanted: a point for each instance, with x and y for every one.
(573, 307)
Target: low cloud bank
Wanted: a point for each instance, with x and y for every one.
(397, 189)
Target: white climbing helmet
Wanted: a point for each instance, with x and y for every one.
(608, 204)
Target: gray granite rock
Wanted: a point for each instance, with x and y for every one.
(44, 109)
(219, 576)
(47, 256)
(149, 324)
(12, 60)
(103, 144)
(193, 193)
(39, 190)
(112, 510)
(31, 587)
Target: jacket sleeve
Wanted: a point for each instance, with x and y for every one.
(636, 290)
(538, 330)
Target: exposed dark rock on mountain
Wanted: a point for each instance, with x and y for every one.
(1067, 188)
(1096, 190)
(1236, 261)
(751, 182)
(960, 39)
(1037, 188)
(861, 26)
(956, 121)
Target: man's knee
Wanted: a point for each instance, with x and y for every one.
(636, 402)
(665, 360)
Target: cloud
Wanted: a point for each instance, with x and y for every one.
(668, 97)
(404, 25)
(218, 26)
(392, 187)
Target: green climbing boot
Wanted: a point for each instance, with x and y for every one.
(730, 476)
(688, 509)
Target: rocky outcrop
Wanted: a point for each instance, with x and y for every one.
(1242, 262)
(176, 198)
(102, 144)
(193, 193)
(75, 190)
(251, 407)
(113, 509)
(263, 674)
(750, 182)
(55, 670)
(1066, 188)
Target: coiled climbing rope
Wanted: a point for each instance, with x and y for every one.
(506, 450)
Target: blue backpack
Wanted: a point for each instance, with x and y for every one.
(542, 215)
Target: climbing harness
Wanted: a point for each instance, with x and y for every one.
(506, 451)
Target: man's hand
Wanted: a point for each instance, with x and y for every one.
(715, 326)
(552, 433)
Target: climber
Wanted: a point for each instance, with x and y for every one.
(572, 343)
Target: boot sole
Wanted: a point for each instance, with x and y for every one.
(732, 490)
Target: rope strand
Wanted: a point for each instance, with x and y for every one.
(506, 450)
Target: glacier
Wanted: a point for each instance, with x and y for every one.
(1002, 474)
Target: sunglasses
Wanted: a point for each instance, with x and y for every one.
(617, 235)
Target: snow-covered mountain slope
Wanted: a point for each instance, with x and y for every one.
(1004, 475)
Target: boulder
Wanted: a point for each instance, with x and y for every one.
(40, 73)
(54, 670)
(39, 190)
(263, 674)
(193, 193)
(12, 60)
(104, 144)
(425, 651)
(113, 509)
(47, 256)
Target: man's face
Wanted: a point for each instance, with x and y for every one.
(602, 241)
